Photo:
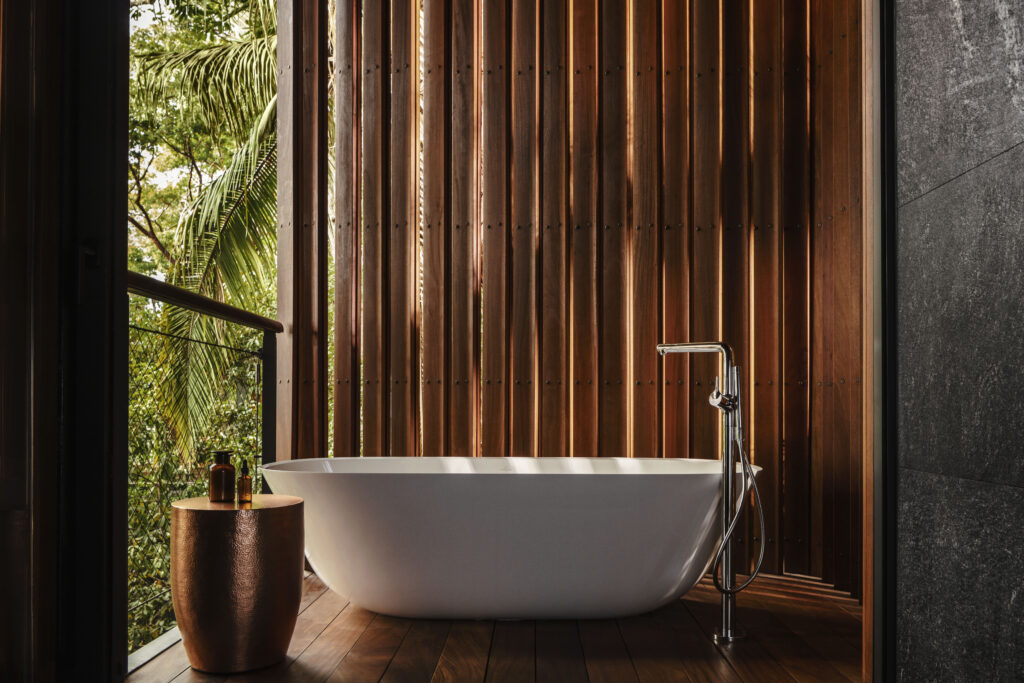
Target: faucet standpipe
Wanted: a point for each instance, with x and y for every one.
(728, 403)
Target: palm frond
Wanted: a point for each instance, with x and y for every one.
(195, 353)
(227, 237)
(226, 249)
(227, 85)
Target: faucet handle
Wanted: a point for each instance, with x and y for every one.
(724, 402)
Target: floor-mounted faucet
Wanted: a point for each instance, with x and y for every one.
(728, 403)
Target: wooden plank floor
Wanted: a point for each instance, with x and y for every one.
(798, 630)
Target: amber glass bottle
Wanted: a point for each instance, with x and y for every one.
(222, 478)
(245, 484)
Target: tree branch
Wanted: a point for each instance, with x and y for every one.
(149, 230)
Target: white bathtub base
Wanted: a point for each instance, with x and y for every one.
(506, 538)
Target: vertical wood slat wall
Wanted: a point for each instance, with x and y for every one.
(302, 229)
(532, 194)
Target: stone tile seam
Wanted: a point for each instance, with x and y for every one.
(961, 174)
(976, 480)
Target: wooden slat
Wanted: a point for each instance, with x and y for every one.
(554, 231)
(867, 131)
(464, 657)
(583, 198)
(645, 254)
(463, 208)
(705, 285)
(653, 649)
(347, 320)
(765, 438)
(676, 217)
(512, 652)
(370, 655)
(302, 234)
(403, 240)
(845, 301)
(794, 193)
(832, 639)
(374, 65)
(736, 232)
(822, 315)
(853, 387)
(165, 667)
(605, 652)
(421, 648)
(312, 588)
(323, 655)
(613, 240)
(494, 180)
(800, 661)
(559, 654)
(525, 214)
(435, 228)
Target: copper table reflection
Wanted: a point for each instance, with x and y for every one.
(236, 579)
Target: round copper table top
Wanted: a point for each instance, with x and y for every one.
(260, 501)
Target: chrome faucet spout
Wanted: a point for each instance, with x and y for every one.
(699, 347)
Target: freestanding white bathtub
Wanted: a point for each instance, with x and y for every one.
(506, 537)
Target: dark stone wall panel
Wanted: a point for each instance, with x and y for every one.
(961, 331)
(960, 81)
(961, 572)
(960, 339)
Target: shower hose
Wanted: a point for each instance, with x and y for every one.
(748, 479)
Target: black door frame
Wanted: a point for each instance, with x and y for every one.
(91, 495)
(886, 510)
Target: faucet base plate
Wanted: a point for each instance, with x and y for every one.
(731, 637)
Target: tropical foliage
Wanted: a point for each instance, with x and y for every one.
(203, 182)
(202, 215)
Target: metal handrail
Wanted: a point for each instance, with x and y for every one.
(144, 285)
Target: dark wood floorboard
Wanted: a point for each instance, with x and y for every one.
(748, 658)
(512, 652)
(797, 631)
(464, 657)
(317, 661)
(419, 653)
(560, 653)
(165, 667)
(605, 652)
(370, 655)
(653, 650)
(703, 662)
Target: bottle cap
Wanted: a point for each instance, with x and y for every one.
(222, 457)
(245, 466)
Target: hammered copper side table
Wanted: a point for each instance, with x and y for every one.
(236, 579)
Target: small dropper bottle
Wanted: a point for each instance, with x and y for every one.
(245, 484)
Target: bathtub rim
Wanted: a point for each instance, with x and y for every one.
(507, 466)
